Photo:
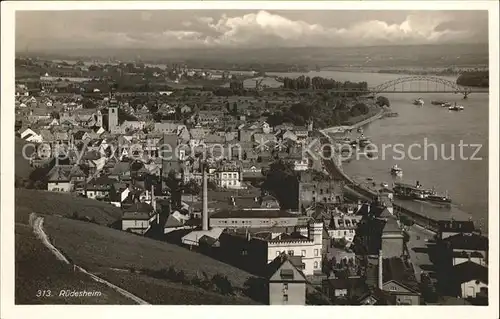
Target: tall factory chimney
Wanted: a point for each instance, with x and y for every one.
(205, 199)
(380, 270)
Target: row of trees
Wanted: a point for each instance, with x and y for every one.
(474, 78)
(323, 116)
(318, 83)
(218, 283)
(283, 182)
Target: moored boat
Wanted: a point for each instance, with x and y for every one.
(456, 107)
(419, 101)
(441, 103)
(396, 170)
(437, 102)
(364, 141)
(444, 199)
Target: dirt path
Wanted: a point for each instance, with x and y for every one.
(37, 224)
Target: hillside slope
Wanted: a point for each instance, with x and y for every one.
(94, 246)
(37, 270)
(28, 201)
(124, 259)
(22, 165)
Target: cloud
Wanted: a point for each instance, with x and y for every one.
(264, 29)
(165, 29)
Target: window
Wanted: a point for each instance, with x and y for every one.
(290, 252)
(285, 298)
(393, 288)
(112, 110)
(285, 288)
(316, 253)
(315, 265)
(303, 253)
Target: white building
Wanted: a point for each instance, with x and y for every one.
(255, 218)
(344, 227)
(138, 218)
(473, 278)
(59, 179)
(31, 136)
(310, 248)
(133, 125)
(229, 177)
(301, 164)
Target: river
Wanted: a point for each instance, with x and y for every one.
(466, 181)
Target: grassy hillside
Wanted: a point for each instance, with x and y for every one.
(50, 203)
(124, 259)
(163, 292)
(22, 165)
(37, 269)
(98, 247)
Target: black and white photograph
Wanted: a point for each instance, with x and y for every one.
(269, 153)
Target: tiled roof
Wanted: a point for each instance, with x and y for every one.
(59, 173)
(252, 214)
(139, 208)
(395, 269)
(468, 271)
(278, 262)
(135, 216)
(467, 241)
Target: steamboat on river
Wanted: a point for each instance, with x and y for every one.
(417, 192)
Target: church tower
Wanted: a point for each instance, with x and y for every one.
(310, 125)
(112, 114)
(99, 119)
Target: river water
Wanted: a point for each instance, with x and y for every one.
(465, 179)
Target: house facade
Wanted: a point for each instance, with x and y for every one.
(309, 248)
(287, 284)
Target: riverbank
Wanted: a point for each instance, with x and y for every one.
(343, 128)
(366, 188)
(423, 214)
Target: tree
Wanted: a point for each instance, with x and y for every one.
(383, 101)
(406, 237)
(222, 284)
(302, 110)
(89, 104)
(192, 187)
(282, 181)
(342, 242)
(359, 109)
(55, 115)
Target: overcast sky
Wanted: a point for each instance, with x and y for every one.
(207, 28)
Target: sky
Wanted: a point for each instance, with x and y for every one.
(167, 29)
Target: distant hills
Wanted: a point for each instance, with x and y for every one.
(378, 56)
